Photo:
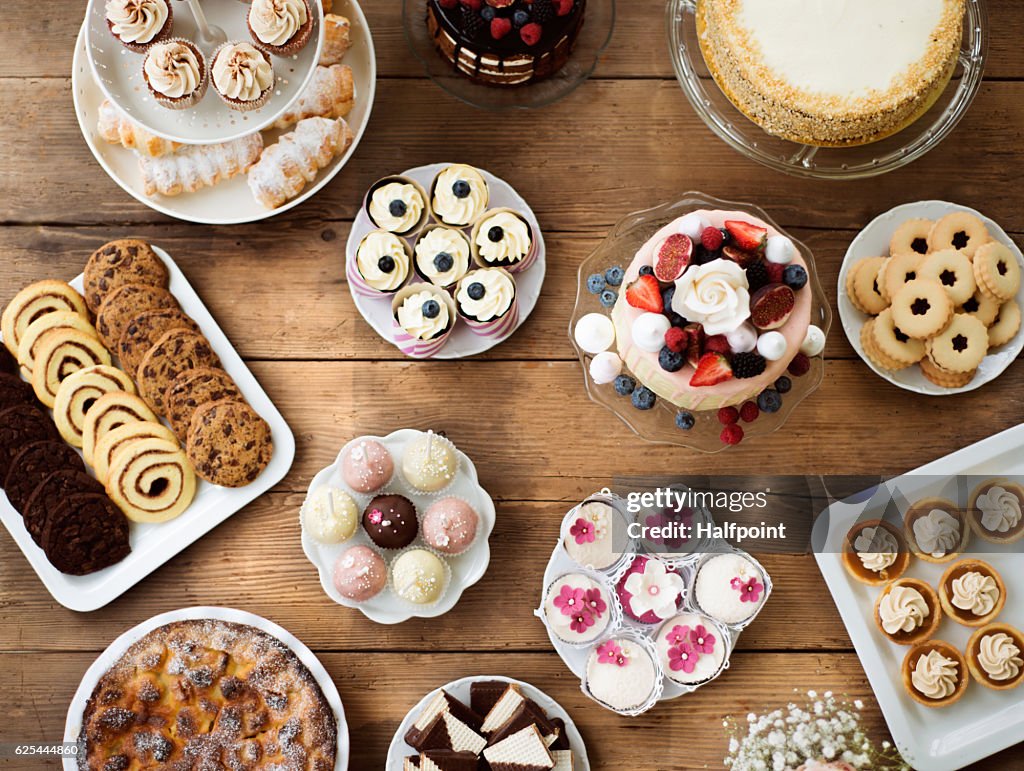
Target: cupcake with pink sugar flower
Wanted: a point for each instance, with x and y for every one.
(577, 609)
(622, 675)
(730, 587)
(650, 591)
(594, 535)
(692, 648)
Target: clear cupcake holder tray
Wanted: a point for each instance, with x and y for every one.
(575, 656)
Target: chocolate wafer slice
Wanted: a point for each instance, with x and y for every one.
(49, 493)
(484, 694)
(441, 702)
(85, 532)
(522, 751)
(564, 760)
(503, 709)
(19, 426)
(528, 713)
(411, 763)
(33, 464)
(447, 732)
(446, 760)
(562, 742)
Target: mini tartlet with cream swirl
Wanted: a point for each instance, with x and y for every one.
(995, 656)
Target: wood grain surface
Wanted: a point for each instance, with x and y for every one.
(626, 140)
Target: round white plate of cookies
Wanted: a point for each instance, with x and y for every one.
(960, 260)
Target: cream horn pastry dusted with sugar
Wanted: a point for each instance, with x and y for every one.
(199, 166)
(330, 94)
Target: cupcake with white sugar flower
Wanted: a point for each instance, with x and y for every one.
(650, 591)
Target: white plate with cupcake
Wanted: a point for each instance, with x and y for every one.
(444, 261)
(962, 335)
(642, 621)
(168, 176)
(398, 526)
(926, 574)
(488, 719)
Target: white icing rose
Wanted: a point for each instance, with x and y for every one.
(438, 241)
(275, 22)
(903, 609)
(513, 243)
(937, 533)
(374, 247)
(1000, 657)
(975, 592)
(173, 69)
(935, 676)
(1000, 509)
(877, 548)
(456, 209)
(136, 21)
(499, 292)
(396, 206)
(414, 321)
(715, 294)
(241, 72)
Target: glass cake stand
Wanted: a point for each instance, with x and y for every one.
(732, 126)
(593, 38)
(658, 424)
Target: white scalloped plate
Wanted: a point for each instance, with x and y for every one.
(73, 725)
(874, 240)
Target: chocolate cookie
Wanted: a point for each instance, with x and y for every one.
(144, 330)
(179, 350)
(33, 464)
(124, 304)
(193, 388)
(14, 390)
(20, 425)
(229, 444)
(85, 533)
(49, 493)
(125, 261)
(8, 364)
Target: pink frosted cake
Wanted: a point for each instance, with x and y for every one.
(716, 309)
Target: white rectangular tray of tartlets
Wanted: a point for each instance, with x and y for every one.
(154, 544)
(984, 721)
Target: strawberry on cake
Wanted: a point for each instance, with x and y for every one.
(716, 309)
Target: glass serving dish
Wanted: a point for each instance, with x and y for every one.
(658, 424)
(594, 37)
(737, 130)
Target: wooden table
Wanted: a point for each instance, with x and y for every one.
(626, 140)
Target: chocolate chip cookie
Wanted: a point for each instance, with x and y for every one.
(229, 444)
(144, 330)
(49, 493)
(20, 425)
(179, 350)
(194, 388)
(124, 304)
(125, 261)
(85, 533)
(33, 464)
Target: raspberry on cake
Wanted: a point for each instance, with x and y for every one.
(831, 74)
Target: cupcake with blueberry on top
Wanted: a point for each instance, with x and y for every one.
(459, 195)
(487, 301)
(502, 238)
(442, 255)
(398, 205)
(424, 317)
(138, 24)
(381, 264)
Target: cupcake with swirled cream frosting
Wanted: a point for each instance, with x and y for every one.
(382, 262)
(242, 76)
(138, 24)
(442, 255)
(502, 238)
(996, 511)
(397, 204)
(424, 316)
(175, 73)
(486, 297)
(459, 195)
(280, 27)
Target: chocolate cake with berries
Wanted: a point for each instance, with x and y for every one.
(505, 42)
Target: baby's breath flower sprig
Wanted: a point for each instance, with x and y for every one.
(822, 734)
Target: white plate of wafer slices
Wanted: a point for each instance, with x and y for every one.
(259, 175)
(163, 521)
(952, 277)
(506, 722)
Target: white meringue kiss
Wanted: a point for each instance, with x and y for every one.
(743, 339)
(605, 367)
(693, 225)
(814, 341)
(779, 250)
(649, 331)
(772, 345)
(595, 333)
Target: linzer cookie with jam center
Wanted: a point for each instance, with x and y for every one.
(229, 444)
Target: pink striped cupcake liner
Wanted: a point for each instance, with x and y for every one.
(358, 283)
(498, 327)
(413, 346)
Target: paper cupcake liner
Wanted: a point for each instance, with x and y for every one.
(164, 34)
(359, 284)
(603, 496)
(433, 186)
(192, 99)
(425, 215)
(236, 104)
(659, 674)
(476, 536)
(614, 609)
(515, 267)
(722, 547)
(293, 46)
(414, 346)
(499, 327)
(725, 635)
(433, 225)
(392, 556)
